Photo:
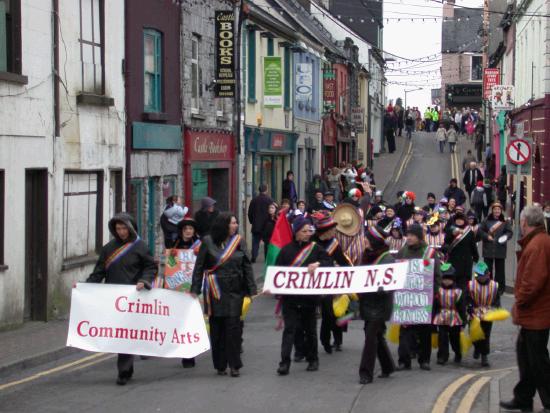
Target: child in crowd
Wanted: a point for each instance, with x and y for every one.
(396, 240)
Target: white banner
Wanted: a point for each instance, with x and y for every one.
(119, 319)
(335, 280)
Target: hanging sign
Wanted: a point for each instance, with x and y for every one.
(358, 118)
(329, 91)
(491, 77)
(225, 54)
(502, 97)
(304, 85)
(273, 82)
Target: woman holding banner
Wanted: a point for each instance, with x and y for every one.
(124, 260)
(223, 273)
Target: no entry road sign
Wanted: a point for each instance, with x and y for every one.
(518, 151)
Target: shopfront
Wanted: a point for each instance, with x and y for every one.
(270, 154)
(209, 162)
(329, 142)
(345, 143)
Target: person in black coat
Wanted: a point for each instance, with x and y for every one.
(453, 191)
(205, 216)
(406, 210)
(269, 226)
(376, 308)
(257, 216)
(235, 280)
(289, 189)
(135, 266)
(461, 248)
(300, 311)
(471, 177)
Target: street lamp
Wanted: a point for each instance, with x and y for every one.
(409, 91)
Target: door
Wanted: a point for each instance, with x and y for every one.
(219, 187)
(36, 244)
(200, 187)
(115, 192)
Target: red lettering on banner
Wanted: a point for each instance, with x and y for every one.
(388, 277)
(346, 282)
(315, 281)
(371, 277)
(196, 337)
(117, 302)
(292, 278)
(156, 308)
(275, 278)
(78, 331)
(327, 276)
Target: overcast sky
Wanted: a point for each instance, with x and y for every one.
(414, 39)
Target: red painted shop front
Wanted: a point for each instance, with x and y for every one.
(329, 142)
(209, 168)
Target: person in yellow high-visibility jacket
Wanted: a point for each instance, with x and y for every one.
(428, 119)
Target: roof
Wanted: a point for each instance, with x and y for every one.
(464, 32)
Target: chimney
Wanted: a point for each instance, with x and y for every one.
(306, 4)
(449, 8)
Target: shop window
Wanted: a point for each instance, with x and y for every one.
(2, 212)
(251, 66)
(91, 46)
(82, 214)
(270, 46)
(476, 73)
(196, 75)
(10, 36)
(152, 59)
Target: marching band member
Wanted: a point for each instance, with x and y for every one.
(435, 237)
(396, 240)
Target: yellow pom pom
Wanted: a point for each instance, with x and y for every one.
(393, 333)
(499, 314)
(435, 340)
(246, 306)
(465, 343)
(476, 332)
(340, 305)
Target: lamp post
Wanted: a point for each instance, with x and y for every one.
(409, 91)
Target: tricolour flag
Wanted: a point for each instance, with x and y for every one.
(282, 235)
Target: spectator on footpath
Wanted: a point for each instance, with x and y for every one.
(173, 213)
(206, 215)
(469, 158)
(451, 138)
(531, 312)
(257, 216)
(334, 183)
(453, 191)
(289, 188)
(441, 137)
(316, 185)
(269, 226)
(124, 260)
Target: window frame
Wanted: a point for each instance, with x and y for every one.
(472, 68)
(195, 65)
(13, 44)
(157, 36)
(100, 45)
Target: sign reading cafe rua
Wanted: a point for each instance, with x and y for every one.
(225, 54)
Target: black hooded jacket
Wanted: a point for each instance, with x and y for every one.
(136, 265)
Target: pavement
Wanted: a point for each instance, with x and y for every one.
(82, 381)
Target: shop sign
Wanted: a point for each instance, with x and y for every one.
(209, 146)
(277, 141)
(491, 77)
(329, 91)
(273, 82)
(225, 54)
(304, 85)
(502, 97)
(357, 118)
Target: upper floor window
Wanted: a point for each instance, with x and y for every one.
(196, 75)
(476, 72)
(152, 62)
(10, 36)
(91, 46)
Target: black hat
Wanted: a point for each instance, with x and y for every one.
(417, 230)
(329, 192)
(431, 195)
(187, 221)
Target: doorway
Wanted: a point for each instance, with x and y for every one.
(36, 244)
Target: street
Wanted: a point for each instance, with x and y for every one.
(85, 382)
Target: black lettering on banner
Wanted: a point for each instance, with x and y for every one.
(225, 54)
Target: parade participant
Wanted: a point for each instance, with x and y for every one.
(301, 252)
(418, 217)
(328, 201)
(223, 273)
(289, 188)
(449, 315)
(388, 219)
(474, 224)
(173, 213)
(189, 242)
(376, 308)
(269, 226)
(495, 232)
(349, 231)
(301, 206)
(415, 247)
(435, 237)
(335, 183)
(452, 206)
(316, 185)
(406, 209)
(461, 249)
(482, 296)
(378, 199)
(399, 198)
(317, 204)
(453, 191)
(124, 260)
(325, 232)
(206, 215)
(431, 206)
(354, 195)
(443, 202)
(374, 216)
(395, 241)
(285, 204)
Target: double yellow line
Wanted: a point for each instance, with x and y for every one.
(405, 162)
(455, 167)
(78, 365)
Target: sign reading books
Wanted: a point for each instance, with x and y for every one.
(225, 54)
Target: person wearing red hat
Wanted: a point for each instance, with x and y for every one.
(325, 236)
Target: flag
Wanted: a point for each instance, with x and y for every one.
(282, 235)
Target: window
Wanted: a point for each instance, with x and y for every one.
(220, 107)
(476, 69)
(91, 46)
(2, 211)
(82, 214)
(10, 36)
(152, 62)
(251, 66)
(196, 75)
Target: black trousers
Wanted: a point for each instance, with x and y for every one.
(299, 341)
(390, 137)
(375, 346)
(328, 324)
(304, 318)
(125, 365)
(446, 334)
(225, 340)
(499, 274)
(483, 347)
(478, 211)
(408, 336)
(534, 367)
